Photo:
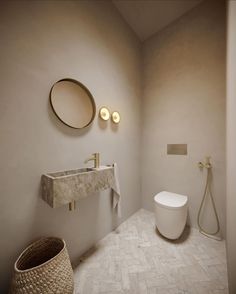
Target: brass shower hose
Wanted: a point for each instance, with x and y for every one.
(208, 166)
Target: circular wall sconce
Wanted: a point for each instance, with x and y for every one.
(115, 117)
(104, 113)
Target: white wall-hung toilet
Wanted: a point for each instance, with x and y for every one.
(171, 213)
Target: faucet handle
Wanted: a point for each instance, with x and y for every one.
(200, 164)
(97, 159)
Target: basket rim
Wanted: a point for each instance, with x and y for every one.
(44, 263)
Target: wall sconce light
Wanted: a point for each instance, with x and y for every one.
(104, 113)
(115, 117)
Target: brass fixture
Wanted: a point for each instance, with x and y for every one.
(207, 191)
(72, 205)
(115, 117)
(96, 158)
(104, 113)
(207, 163)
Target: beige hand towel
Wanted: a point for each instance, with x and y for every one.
(116, 191)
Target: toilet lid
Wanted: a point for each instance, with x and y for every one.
(171, 200)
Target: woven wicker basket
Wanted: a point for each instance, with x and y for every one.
(44, 267)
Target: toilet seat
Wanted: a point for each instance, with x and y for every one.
(170, 200)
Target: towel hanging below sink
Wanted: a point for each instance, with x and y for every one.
(116, 191)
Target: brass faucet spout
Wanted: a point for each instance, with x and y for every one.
(95, 158)
(89, 159)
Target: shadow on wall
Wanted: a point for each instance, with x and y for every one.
(114, 127)
(103, 125)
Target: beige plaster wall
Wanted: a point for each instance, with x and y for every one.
(42, 42)
(184, 102)
(231, 146)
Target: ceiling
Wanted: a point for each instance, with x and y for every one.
(146, 17)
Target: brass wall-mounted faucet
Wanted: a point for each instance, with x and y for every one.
(205, 164)
(96, 158)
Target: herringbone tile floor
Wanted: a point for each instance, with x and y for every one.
(135, 259)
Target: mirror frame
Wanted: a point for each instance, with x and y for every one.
(89, 95)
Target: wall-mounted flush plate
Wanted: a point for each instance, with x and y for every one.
(177, 149)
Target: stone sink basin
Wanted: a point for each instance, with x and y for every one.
(61, 188)
(57, 175)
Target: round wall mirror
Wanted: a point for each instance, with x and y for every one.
(72, 103)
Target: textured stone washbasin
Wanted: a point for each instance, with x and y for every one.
(69, 172)
(61, 188)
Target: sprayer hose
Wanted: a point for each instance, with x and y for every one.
(207, 188)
